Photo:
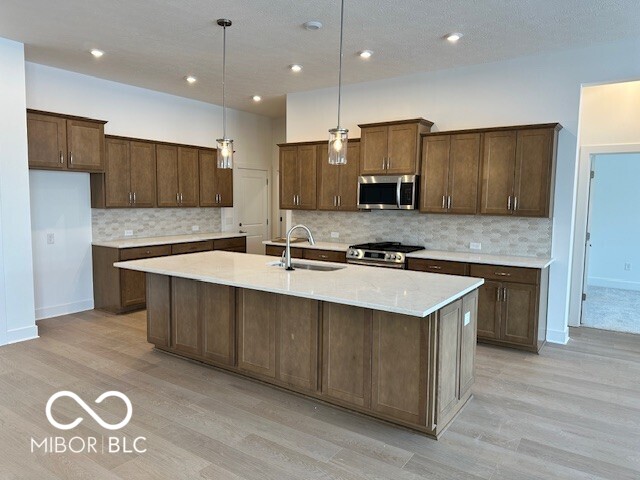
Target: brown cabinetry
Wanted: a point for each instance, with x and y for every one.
(450, 169)
(177, 176)
(60, 142)
(298, 176)
(517, 171)
(438, 266)
(391, 148)
(216, 184)
(309, 253)
(338, 184)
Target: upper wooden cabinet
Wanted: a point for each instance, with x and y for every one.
(391, 148)
(517, 171)
(60, 142)
(298, 176)
(450, 168)
(216, 185)
(129, 179)
(177, 176)
(338, 184)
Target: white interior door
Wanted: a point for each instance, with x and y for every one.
(253, 207)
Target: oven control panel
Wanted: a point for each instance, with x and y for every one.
(375, 257)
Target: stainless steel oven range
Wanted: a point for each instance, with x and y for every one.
(381, 254)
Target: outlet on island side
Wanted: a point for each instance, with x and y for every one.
(475, 246)
(51, 238)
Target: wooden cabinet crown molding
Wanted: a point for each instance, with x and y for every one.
(65, 116)
(420, 121)
(554, 125)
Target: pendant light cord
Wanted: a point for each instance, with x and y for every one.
(340, 65)
(224, 69)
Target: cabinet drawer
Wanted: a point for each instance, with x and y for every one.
(438, 266)
(191, 247)
(324, 255)
(137, 253)
(236, 249)
(276, 251)
(228, 243)
(506, 274)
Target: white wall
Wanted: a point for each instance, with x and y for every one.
(279, 135)
(17, 320)
(544, 88)
(130, 111)
(615, 222)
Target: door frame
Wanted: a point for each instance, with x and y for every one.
(581, 212)
(236, 209)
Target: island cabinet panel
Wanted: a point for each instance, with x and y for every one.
(468, 341)
(257, 314)
(399, 370)
(158, 309)
(448, 359)
(218, 313)
(346, 354)
(185, 319)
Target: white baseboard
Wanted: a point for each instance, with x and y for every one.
(21, 334)
(613, 283)
(56, 311)
(558, 336)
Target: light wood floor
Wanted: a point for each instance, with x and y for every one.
(570, 412)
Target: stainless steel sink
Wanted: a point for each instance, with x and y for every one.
(308, 266)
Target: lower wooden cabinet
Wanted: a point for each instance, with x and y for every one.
(438, 266)
(309, 253)
(276, 251)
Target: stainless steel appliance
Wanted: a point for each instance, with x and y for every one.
(388, 192)
(381, 254)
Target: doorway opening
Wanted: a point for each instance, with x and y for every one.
(611, 286)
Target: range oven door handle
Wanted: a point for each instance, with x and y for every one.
(398, 189)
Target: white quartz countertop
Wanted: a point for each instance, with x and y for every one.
(337, 247)
(149, 241)
(484, 258)
(398, 291)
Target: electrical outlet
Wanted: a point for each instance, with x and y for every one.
(335, 234)
(627, 267)
(475, 246)
(51, 238)
(195, 228)
(128, 233)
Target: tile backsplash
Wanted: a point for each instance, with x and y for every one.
(498, 235)
(110, 224)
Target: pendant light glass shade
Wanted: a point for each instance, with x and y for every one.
(225, 153)
(225, 145)
(338, 138)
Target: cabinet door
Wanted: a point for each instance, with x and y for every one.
(132, 288)
(402, 149)
(448, 359)
(117, 173)
(208, 191)
(398, 371)
(519, 314)
(533, 172)
(435, 173)
(373, 150)
(85, 145)
(498, 170)
(47, 141)
(167, 175)
(307, 177)
(464, 168)
(257, 314)
(468, 341)
(297, 342)
(186, 336)
(158, 309)
(328, 179)
(288, 177)
(489, 309)
(188, 184)
(224, 182)
(218, 317)
(346, 356)
(143, 173)
(348, 194)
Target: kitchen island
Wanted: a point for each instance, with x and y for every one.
(395, 345)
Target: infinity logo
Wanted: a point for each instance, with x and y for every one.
(89, 410)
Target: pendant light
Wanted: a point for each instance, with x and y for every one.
(338, 136)
(225, 145)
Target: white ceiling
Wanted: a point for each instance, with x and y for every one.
(155, 43)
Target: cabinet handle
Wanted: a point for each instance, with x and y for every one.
(148, 252)
(504, 294)
(509, 203)
(70, 157)
(129, 198)
(180, 199)
(434, 267)
(177, 198)
(388, 163)
(498, 294)
(444, 202)
(339, 200)
(61, 157)
(502, 274)
(384, 162)
(449, 202)
(515, 203)
(323, 256)
(134, 198)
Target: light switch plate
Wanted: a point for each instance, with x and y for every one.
(475, 246)
(335, 234)
(51, 238)
(467, 318)
(128, 233)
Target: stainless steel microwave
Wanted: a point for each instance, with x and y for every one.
(389, 192)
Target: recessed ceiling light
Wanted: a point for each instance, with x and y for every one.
(453, 37)
(256, 98)
(365, 54)
(191, 79)
(96, 53)
(312, 25)
(295, 67)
